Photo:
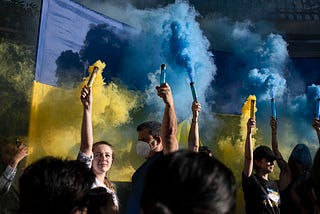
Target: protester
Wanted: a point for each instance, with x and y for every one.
(11, 155)
(99, 201)
(186, 182)
(52, 185)
(294, 181)
(98, 156)
(155, 140)
(261, 194)
(205, 150)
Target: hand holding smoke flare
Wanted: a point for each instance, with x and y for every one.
(317, 116)
(194, 93)
(273, 108)
(163, 74)
(98, 66)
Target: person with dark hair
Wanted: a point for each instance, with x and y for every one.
(99, 201)
(11, 155)
(205, 150)
(52, 185)
(261, 195)
(98, 156)
(315, 170)
(294, 181)
(187, 182)
(154, 140)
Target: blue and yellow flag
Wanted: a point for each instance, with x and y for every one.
(71, 38)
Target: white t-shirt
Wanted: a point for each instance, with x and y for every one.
(88, 161)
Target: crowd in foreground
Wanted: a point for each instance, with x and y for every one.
(170, 180)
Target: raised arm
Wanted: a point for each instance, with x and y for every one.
(193, 138)
(285, 172)
(169, 122)
(274, 142)
(248, 150)
(8, 175)
(86, 127)
(316, 126)
(21, 153)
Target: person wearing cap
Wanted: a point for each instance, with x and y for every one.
(261, 195)
(294, 180)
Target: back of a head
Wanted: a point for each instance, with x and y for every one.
(189, 183)
(99, 201)
(301, 155)
(205, 150)
(52, 185)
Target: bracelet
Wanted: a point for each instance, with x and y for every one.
(194, 121)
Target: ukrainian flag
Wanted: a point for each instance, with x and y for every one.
(71, 38)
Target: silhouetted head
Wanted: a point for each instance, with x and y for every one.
(300, 160)
(99, 201)
(51, 185)
(187, 182)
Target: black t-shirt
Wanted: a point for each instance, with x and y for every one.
(261, 196)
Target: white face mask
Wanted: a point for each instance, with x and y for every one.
(143, 149)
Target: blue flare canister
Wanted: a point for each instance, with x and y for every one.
(163, 74)
(194, 93)
(273, 108)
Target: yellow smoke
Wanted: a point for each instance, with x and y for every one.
(182, 133)
(231, 150)
(94, 69)
(56, 115)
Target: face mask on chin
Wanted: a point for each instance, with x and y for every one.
(143, 149)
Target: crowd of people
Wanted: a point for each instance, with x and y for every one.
(171, 180)
(295, 191)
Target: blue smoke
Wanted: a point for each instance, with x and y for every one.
(314, 91)
(301, 111)
(306, 101)
(170, 35)
(268, 78)
(259, 64)
(248, 58)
